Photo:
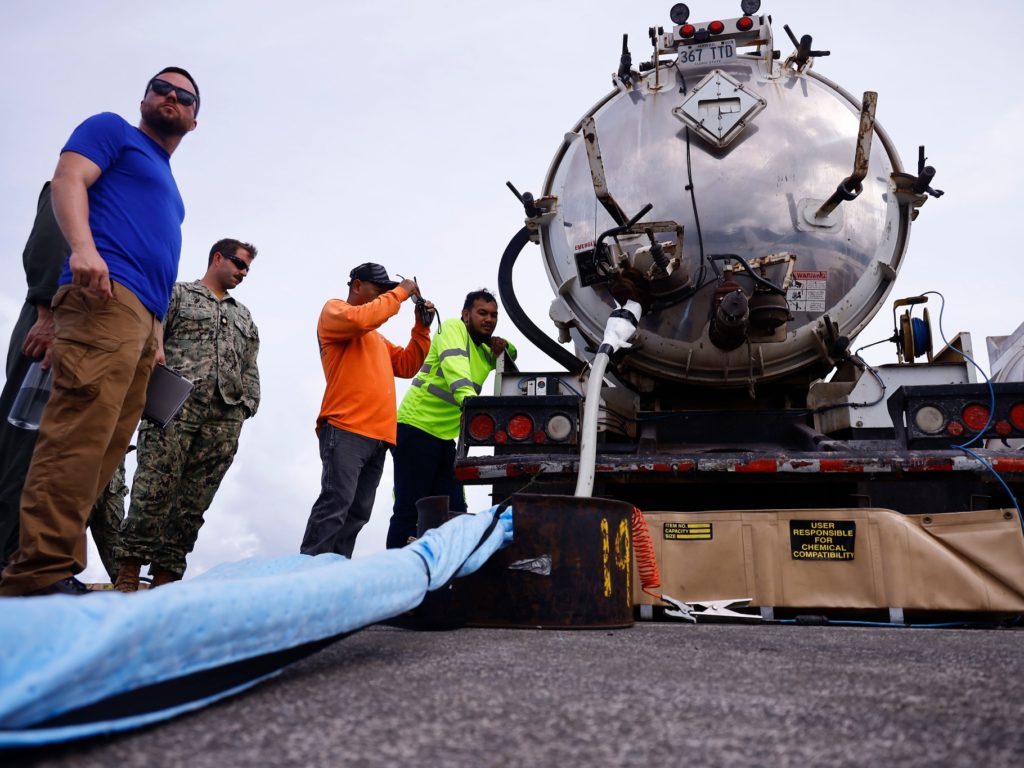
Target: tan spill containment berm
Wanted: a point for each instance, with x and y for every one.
(842, 558)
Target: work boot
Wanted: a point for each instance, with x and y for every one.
(128, 575)
(163, 577)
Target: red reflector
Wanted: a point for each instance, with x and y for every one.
(501, 436)
(744, 23)
(687, 30)
(1003, 428)
(1017, 415)
(955, 428)
(481, 427)
(462, 474)
(539, 437)
(975, 416)
(520, 427)
(716, 27)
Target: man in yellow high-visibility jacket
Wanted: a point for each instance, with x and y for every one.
(461, 356)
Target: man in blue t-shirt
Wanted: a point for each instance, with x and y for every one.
(118, 207)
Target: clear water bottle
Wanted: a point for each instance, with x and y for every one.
(35, 391)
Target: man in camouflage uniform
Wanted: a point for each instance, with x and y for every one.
(209, 338)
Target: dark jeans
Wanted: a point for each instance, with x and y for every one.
(424, 466)
(352, 466)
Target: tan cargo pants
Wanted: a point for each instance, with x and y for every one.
(102, 358)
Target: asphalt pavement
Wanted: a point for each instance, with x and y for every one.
(656, 694)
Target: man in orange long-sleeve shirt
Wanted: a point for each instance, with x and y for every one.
(357, 424)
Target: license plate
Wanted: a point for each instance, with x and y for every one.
(702, 54)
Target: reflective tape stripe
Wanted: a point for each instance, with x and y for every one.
(435, 391)
(426, 369)
(463, 383)
(453, 353)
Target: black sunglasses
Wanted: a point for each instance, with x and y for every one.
(237, 262)
(162, 88)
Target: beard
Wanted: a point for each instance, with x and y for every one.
(165, 125)
(478, 337)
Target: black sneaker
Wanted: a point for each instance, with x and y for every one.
(68, 586)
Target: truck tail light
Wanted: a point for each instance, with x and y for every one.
(520, 427)
(975, 416)
(687, 31)
(559, 427)
(537, 422)
(940, 415)
(930, 419)
(481, 427)
(744, 23)
(1017, 416)
(716, 27)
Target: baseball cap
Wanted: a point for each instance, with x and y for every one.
(373, 273)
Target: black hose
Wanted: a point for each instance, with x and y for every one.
(519, 318)
(767, 284)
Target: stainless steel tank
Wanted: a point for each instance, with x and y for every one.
(763, 143)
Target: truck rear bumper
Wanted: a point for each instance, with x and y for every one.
(486, 469)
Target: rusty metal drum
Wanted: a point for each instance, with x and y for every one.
(569, 566)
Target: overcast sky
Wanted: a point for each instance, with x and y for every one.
(336, 133)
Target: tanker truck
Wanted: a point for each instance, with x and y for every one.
(716, 231)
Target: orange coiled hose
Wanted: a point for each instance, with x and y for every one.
(643, 550)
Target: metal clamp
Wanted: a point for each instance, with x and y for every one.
(710, 609)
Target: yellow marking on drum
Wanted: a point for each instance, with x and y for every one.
(605, 556)
(622, 557)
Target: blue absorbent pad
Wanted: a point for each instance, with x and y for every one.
(63, 653)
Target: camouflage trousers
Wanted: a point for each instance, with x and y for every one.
(180, 470)
(106, 518)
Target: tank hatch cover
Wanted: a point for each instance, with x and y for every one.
(719, 108)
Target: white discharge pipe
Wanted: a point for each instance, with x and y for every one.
(617, 332)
